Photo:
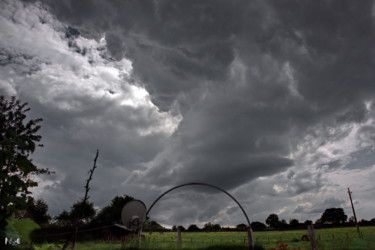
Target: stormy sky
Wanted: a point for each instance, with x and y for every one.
(273, 101)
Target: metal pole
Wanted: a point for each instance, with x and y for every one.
(355, 216)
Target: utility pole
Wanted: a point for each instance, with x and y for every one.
(355, 217)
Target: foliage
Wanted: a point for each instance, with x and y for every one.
(256, 225)
(334, 216)
(294, 223)
(82, 210)
(242, 227)
(37, 210)
(182, 229)
(18, 139)
(111, 214)
(209, 227)
(193, 228)
(308, 222)
(63, 218)
(151, 225)
(23, 226)
(272, 220)
(282, 224)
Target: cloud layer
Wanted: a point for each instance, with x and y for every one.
(272, 101)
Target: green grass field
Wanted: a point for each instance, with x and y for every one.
(327, 239)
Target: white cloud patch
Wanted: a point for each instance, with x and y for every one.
(83, 95)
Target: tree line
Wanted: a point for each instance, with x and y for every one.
(331, 217)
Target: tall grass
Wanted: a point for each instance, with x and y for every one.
(327, 239)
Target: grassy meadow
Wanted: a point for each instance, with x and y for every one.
(327, 239)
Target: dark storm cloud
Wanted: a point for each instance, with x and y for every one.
(174, 46)
(261, 85)
(250, 77)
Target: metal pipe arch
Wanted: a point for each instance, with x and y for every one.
(200, 184)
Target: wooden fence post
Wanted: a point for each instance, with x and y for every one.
(314, 246)
(179, 241)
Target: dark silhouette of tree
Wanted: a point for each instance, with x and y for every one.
(174, 228)
(38, 211)
(111, 214)
(294, 223)
(193, 228)
(63, 219)
(318, 221)
(308, 222)
(273, 220)
(209, 227)
(18, 140)
(282, 224)
(256, 225)
(83, 211)
(333, 216)
(351, 219)
(151, 225)
(242, 227)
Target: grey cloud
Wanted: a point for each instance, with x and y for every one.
(234, 133)
(361, 159)
(252, 80)
(319, 207)
(332, 165)
(367, 134)
(336, 69)
(78, 119)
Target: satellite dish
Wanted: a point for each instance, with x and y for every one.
(133, 215)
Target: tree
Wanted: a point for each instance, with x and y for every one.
(38, 211)
(193, 228)
(82, 211)
(294, 223)
(333, 216)
(308, 222)
(18, 140)
(111, 214)
(151, 225)
(242, 227)
(351, 219)
(209, 227)
(272, 220)
(282, 224)
(256, 225)
(318, 221)
(63, 219)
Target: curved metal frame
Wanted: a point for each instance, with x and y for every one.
(249, 231)
(199, 184)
